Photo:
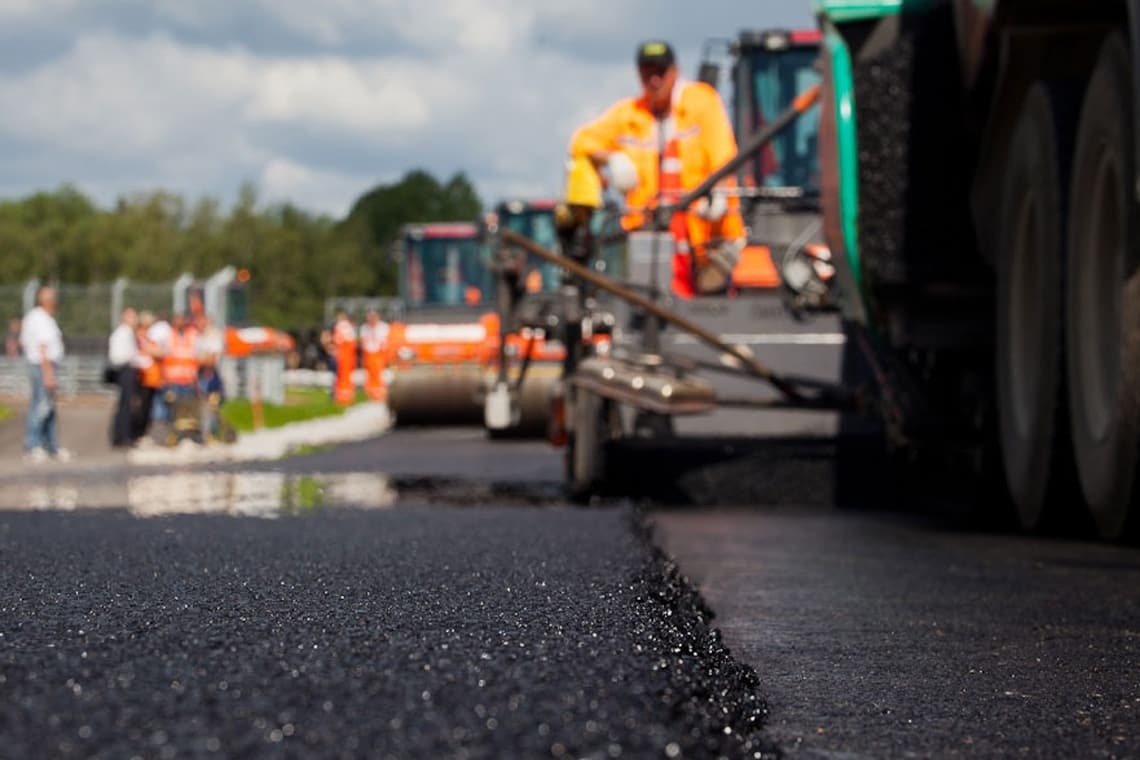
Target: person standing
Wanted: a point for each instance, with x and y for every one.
(150, 375)
(344, 340)
(42, 343)
(211, 391)
(158, 334)
(123, 355)
(12, 341)
(180, 362)
(373, 339)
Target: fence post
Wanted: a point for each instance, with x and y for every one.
(214, 295)
(117, 291)
(179, 301)
(30, 291)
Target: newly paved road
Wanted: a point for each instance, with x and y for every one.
(403, 632)
(459, 608)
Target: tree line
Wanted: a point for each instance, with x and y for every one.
(296, 259)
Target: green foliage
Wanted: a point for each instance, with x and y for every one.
(376, 217)
(297, 259)
(300, 404)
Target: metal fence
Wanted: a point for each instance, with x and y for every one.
(88, 313)
(156, 297)
(263, 376)
(357, 307)
(84, 311)
(78, 375)
(11, 302)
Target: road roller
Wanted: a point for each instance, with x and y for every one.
(440, 349)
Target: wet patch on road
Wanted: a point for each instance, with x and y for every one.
(248, 494)
(268, 493)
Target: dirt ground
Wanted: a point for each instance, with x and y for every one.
(84, 430)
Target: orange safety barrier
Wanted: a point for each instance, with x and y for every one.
(755, 269)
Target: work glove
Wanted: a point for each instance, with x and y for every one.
(711, 209)
(623, 174)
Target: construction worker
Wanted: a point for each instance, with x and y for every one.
(344, 344)
(150, 374)
(373, 340)
(180, 364)
(659, 146)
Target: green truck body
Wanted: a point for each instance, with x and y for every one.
(980, 194)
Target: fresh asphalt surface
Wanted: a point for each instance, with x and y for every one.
(462, 609)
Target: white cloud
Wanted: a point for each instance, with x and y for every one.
(283, 179)
(15, 9)
(490, 87)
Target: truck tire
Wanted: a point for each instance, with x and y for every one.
(1029, 294)
(1103, 296)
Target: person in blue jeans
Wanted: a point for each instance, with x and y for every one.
(42, 343)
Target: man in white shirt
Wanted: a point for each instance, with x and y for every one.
(42, 343)
(123, 356)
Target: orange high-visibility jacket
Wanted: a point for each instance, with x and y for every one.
(701, 127)
(180, 365)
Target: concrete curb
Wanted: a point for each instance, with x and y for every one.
(359, 422)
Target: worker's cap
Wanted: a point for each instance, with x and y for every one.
(655, 53)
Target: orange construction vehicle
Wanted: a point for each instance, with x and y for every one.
(446, 350)
(438, 349)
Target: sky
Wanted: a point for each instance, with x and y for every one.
(317, 102)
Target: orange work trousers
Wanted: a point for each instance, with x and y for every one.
(374, 376)
(344, 392)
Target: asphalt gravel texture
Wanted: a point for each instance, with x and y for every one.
(408, 632)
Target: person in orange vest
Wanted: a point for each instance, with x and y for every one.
(373, 340)
(180, 363)
(150, 374)
(661, 145)
(344, 343)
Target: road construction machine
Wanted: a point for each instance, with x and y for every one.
(780, 185)
(979, 185)
(533, 298)
(527, 358)
(439, 350)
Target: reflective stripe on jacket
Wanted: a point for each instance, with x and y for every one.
(703, 143)
(180, 365)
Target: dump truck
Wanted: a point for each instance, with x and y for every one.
(979, 181)
(780, 185)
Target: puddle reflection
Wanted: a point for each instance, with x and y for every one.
(249, 494)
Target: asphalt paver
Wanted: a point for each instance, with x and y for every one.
(408, 632)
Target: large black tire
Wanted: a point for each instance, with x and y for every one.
(1029, 295)
(1103, 296)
